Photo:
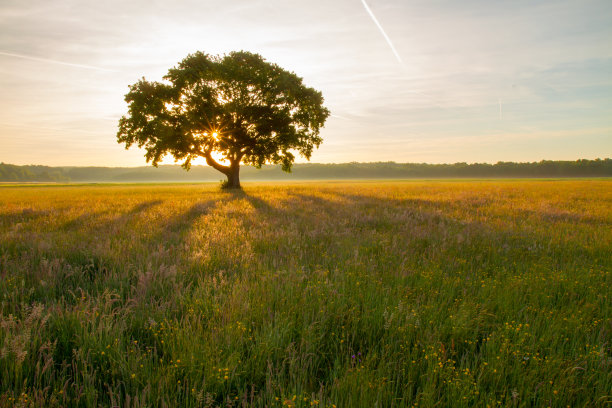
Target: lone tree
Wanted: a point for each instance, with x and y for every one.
(239, 106)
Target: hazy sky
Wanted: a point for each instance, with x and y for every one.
(434, 81)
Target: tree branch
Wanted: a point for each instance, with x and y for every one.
(212, 163)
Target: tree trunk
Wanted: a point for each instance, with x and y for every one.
(233, 176)
(232, 171)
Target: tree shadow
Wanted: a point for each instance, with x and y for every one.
(562, 216)
(180, 223)
(401, 233)
(424, 231)
(122, 219)
(23, 216)
(457, 227)
(171, 233)
(136, 210)
(260, 205)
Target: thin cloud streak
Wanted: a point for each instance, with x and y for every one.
(52, 129)
(339, 117)
(365, 5)
(70, 64)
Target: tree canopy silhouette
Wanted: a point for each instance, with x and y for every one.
(239, 106)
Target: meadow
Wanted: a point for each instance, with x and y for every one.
(371, 294)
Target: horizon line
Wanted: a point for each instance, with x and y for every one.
(314, 163)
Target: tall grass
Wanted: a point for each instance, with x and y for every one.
(344, 294)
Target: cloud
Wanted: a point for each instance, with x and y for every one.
(50, 61)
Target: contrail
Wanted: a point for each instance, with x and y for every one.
(9, 54)
(52, 129)
(339, 117)
(500, 110)
(365, 5)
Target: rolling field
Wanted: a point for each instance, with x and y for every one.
(398, 294)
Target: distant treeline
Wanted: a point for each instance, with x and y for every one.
(310, 171)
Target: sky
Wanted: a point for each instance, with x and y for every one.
(437, 81)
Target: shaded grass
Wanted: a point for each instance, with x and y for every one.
(347, 294)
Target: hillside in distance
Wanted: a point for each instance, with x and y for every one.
(310, 171)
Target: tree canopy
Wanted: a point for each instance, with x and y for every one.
(239, 106)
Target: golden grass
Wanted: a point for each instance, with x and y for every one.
(329, 294)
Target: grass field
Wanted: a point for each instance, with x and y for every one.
(333, 295)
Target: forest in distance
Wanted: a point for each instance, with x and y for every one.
(311, 171)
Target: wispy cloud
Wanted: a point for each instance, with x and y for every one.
(52, 61)
(51, 129)
(339, 117)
